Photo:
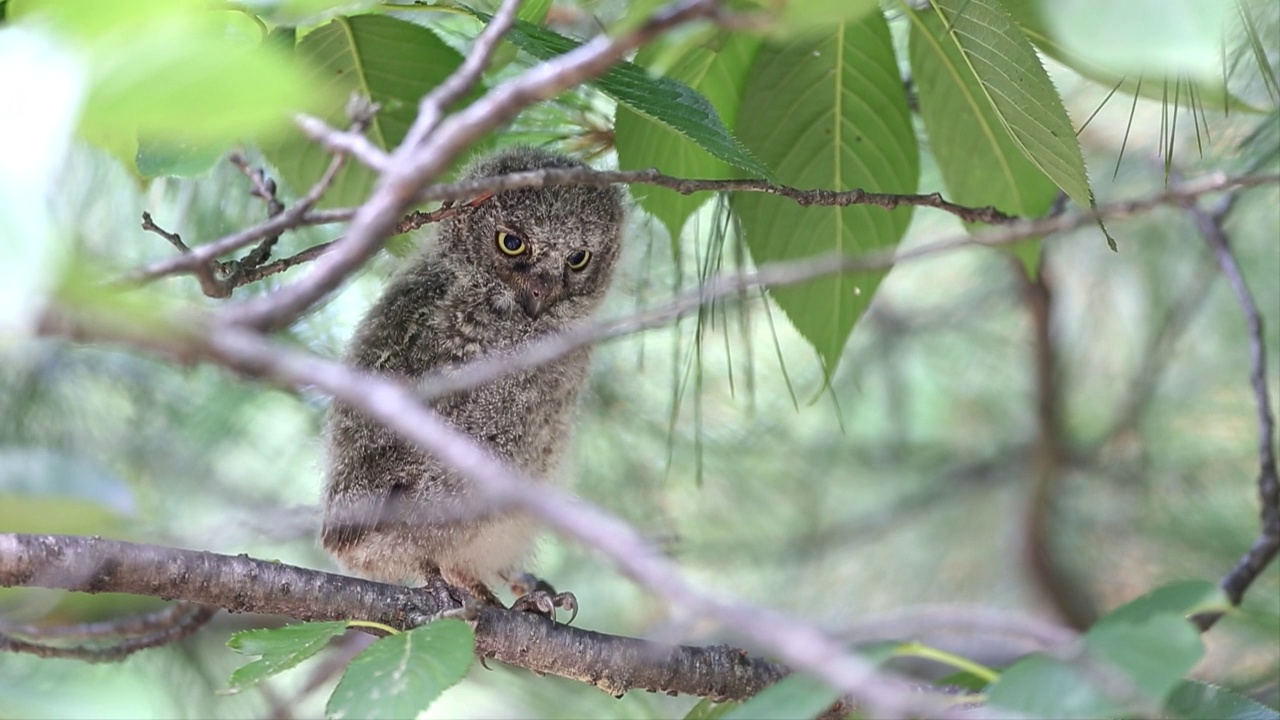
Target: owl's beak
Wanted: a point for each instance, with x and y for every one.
(533, 295)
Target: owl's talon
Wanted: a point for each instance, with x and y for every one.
(537, 602)
(536, 595)
(543, 603)
(566, 601)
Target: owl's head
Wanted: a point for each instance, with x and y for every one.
(547, 251)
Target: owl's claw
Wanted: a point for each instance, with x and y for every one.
(545, 604)
(538, 596)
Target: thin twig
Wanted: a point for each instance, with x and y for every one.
(182, 625)
(433, 107)
(1267, 544)
(687, 186)
(344, 142)
(265, 189)
(202, 256)
(174, 238)
(781, 274)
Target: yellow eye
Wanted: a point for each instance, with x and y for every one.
(579, 259)
(511, 244)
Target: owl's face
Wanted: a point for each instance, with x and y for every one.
(548, 252)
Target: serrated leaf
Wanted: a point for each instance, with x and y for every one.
(394, 63)
(663, 99)
(1019, 90)
(980, 163)
(795, 697)
(828, 112)
(401, 675)
(1041, 686)
(1195, 700)
(279, 648)
(719, 71)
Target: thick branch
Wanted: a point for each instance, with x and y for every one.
(242, 584)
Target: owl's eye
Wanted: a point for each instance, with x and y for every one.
(511, 244)
(578, 259)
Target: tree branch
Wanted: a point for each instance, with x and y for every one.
(774, 275)
(1267, 544)
(242, 584)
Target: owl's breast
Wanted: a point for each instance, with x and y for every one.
(526, 417)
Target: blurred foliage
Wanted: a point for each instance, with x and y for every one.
(900, 477)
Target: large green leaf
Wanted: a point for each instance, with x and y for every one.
(174, 71)
(1045, 687)
(280, 649)
(1210, 92)
(980, 163)
(1156, 37)
(400, 675)
(1019, 90)
(394, 63)
(719, 73)
(663, 99)
(828, 112)
(1148, 642)
(798, 17)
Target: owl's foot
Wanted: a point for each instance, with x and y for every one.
(538, 596)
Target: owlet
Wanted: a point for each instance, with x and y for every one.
(520, 265)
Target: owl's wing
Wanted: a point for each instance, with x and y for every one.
(395, 336)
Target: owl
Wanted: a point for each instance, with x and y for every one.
(519, 266)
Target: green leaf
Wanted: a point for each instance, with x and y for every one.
(1154, 652)
(400, 675)
(1041, 686)
(176, 158)
(828, 112)
(798, 17)
(1154, 37)
(1210, 92)
(1182, 599)
(1019, 90)
(1195, 700)
(795, 697)
(1149, 641)
(188, 77)
(980, 163)
(394, 63)
(663, 99)
(708, 709)
(280, 648)
(720, 74)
